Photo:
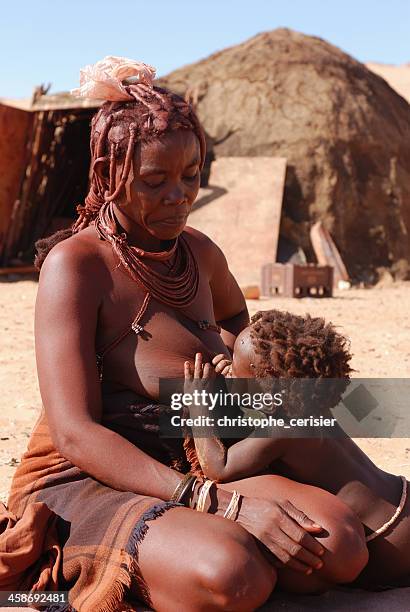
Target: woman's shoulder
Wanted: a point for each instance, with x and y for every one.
(204, 247)
(200, 241)
(81, 256)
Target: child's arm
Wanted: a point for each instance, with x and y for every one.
(243, 458)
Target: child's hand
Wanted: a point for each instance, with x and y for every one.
(222, 364)
(198, 375)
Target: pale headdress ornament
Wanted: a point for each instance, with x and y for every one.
(107, 79)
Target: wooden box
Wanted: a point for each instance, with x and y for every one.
(295, 280)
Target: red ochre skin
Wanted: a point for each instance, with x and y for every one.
(189, 560)
(336, 465)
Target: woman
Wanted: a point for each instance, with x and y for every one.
(123, 301)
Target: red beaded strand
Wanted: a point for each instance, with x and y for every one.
(178, 288)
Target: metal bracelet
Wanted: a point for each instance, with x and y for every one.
(203, 495)
(186, 495)
(182, 487)
(233, 505)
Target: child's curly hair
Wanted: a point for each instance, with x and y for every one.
(293, 347)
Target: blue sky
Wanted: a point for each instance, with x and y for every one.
(49, 41)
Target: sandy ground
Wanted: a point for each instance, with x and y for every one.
(377, 322)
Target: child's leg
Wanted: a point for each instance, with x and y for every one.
(346, 552)
(389, 562)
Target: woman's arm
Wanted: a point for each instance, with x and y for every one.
(71, 287)
(231, 327)
(230, 309)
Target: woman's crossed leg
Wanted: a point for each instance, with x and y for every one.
(194, 562)
(343, 537)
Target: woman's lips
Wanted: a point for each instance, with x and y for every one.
(173, 220)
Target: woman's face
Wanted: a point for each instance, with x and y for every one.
(165, 184)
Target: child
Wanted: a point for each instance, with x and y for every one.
(282, 345)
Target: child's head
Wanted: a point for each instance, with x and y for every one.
(282, 345)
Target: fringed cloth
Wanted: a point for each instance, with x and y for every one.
(68, 531)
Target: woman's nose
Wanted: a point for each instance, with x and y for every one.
(175, 197)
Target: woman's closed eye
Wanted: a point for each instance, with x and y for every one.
(191, 177)
(158, 181)
(154, 182)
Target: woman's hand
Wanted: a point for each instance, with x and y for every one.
(285, 531)
(222, 364)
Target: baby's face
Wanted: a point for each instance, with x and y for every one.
(244, 356)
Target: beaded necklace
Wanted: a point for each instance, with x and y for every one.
(178, 288)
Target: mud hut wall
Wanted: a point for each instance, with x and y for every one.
(42, 175)
(60, 179)
(15, 128)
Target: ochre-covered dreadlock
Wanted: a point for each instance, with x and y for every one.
(115, 131)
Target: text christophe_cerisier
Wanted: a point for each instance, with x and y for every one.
(204, 401)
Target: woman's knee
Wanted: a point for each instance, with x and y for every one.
(218, 565)
(346, 551)
(345, 557)
(236, 574)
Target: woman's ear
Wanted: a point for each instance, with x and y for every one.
(102, 170)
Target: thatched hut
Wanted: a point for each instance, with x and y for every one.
(344, 132)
